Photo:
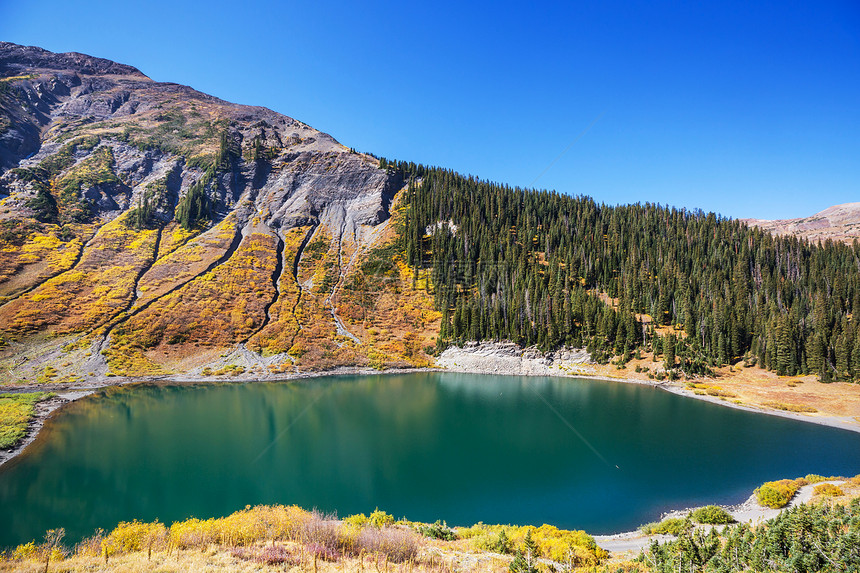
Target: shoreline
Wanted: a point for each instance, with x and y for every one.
(749, 511)
(43, 412)
(530, 367)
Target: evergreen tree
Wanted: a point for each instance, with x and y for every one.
(537, 267)
(669, 351)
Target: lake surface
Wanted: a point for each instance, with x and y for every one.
(593, 455)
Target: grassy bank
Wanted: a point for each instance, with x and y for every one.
(16, 412)
(820, 535)
(282, 538)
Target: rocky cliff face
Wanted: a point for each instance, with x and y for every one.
(149, 228)
(156, 129)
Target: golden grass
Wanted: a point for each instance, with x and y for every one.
(41, 255)
(799, 408)
(287, 538)
(756, 387)
(16, 411)
(219, 308)
(92, 293)
(183, 255)
(278, 335)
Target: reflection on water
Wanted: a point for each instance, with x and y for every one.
(459, 447)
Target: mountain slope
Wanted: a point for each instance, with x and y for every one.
(155, 227)
(837, 223)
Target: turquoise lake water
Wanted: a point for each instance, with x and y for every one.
(593, 455)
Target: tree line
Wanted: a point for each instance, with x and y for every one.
(547, 269)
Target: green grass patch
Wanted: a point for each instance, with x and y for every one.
(669, 526)
(16, 411)
(712, 515)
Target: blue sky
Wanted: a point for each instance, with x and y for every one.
(746, 108)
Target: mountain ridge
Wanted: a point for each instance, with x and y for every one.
(124, 200)
(836, 223)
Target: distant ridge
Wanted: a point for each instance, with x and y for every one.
(837, 223)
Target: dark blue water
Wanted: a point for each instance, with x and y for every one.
(599, 456)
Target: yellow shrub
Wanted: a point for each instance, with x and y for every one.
(380, 518)
(135, 536)
(356, 521)
(815, 478)
(554, 543)
(245, 527)
(193, 533)
(828, 490)
(25, 551)
(777, 494)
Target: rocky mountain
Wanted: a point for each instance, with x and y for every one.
(837, 223)
(148, 228)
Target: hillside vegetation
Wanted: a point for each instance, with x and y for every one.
(821, 535)
(281, 538)
(151, 229)
(539, 267)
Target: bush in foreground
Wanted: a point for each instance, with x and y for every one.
(828, 490)
(669, 526)
(777, 494)
(712, 515)
(560, 545)
(438, 530)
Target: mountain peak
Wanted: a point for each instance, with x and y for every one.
(17, 59)
(837, 223)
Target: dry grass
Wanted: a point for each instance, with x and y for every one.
(281, 538)
(181, 258)
(217, 559)
(798, 408)
(758, 388)
(41, 255)
(393, 315)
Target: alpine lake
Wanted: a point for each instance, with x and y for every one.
(580, 454)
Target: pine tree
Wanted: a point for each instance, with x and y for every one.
(669, 351)
(843, 357)
(855, 358)
(526, 559)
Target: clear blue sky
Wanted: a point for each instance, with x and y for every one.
(746, 108)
